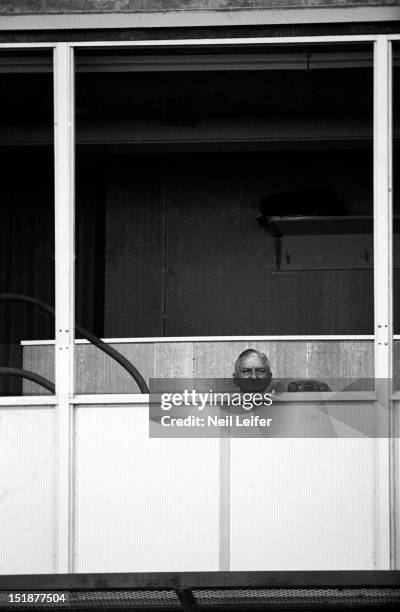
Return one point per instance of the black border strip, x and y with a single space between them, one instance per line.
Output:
199 580
168 33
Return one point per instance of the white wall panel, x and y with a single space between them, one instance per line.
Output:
142 504
27 453
303 504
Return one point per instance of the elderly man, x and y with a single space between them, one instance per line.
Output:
252 371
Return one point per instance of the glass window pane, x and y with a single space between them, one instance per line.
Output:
26 224
220 196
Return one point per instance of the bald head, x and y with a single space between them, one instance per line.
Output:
252 371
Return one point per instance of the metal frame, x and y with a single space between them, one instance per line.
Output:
394 449
383 224
142 399
64 236
64 332
383 278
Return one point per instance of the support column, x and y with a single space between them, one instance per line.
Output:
64 249
383 232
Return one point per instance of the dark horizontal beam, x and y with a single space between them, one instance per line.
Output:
209 580
302 59
110 34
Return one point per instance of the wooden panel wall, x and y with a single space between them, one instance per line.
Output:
95 372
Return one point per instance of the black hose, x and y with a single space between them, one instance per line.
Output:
106 348
36 378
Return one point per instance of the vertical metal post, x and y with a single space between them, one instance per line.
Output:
64 249
383 233
224 500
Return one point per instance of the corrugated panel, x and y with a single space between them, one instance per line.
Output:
142 504
27 459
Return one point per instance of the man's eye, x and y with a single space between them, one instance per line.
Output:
260 370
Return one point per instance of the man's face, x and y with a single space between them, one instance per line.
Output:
252 374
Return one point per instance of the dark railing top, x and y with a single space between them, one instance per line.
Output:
206 580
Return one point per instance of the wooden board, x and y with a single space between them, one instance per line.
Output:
95 372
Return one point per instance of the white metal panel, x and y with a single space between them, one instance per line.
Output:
303 504
27 521
142 504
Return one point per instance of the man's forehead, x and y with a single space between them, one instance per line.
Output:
253 359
